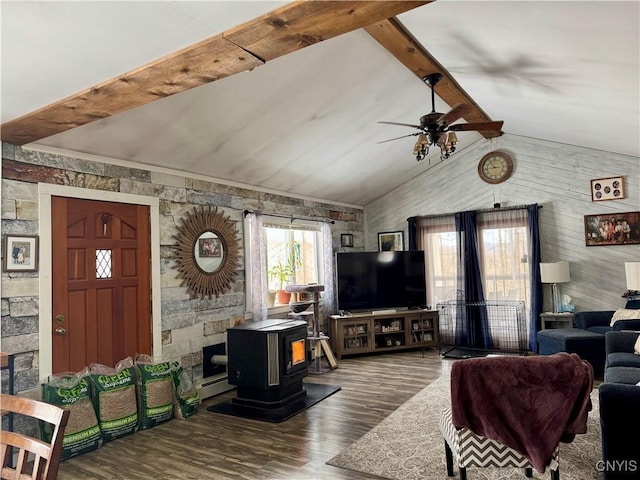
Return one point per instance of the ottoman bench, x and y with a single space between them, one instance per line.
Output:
587 345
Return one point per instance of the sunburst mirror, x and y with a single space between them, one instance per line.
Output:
207 252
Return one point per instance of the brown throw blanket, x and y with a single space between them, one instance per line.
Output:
527 403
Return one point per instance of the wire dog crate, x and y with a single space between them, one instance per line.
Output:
506 320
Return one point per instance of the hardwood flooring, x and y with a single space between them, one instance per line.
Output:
214 446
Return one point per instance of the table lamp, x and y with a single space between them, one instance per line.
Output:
632 270
555 273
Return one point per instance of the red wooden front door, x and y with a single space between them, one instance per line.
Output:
101 282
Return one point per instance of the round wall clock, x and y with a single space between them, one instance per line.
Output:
495 167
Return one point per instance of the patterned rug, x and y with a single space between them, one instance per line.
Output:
408 445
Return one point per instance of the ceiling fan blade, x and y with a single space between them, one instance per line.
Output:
482 126
403 124
398 138
460 110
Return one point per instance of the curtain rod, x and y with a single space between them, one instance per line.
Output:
311 219
483 210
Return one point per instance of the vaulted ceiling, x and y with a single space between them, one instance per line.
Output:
286 96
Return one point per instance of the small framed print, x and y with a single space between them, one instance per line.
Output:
210 247
611 188
20 253
346 240
390 241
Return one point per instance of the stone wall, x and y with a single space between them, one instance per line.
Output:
187 324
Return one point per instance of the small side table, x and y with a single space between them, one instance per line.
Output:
556 320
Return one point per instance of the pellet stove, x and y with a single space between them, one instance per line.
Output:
267 361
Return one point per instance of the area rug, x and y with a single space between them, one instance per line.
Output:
315 393
408 445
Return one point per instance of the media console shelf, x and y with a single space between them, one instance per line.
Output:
379 332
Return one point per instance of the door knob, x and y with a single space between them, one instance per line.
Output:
61 331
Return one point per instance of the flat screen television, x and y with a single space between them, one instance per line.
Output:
381 280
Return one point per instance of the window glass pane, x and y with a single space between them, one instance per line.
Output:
291 255
441 266
504 247
504 263
437 237
103 263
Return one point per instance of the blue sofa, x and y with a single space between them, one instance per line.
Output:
619 403
587 339
599 321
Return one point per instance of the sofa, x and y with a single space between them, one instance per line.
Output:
587 339
619 403
600 321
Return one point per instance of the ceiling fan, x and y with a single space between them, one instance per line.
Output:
435 128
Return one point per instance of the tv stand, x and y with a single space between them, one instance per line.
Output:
360 333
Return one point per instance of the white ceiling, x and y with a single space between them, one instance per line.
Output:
306 123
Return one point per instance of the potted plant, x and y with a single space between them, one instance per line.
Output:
282 274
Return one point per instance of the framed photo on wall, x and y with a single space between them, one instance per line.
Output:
612 229
611 188
346 240
391 241
20 253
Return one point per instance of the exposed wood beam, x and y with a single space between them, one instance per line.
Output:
393 36
282 31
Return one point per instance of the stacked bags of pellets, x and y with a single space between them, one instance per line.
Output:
114 398
155 391
71 391
186 398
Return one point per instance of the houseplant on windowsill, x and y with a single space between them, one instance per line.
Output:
282 274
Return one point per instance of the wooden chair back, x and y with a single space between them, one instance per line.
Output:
36 459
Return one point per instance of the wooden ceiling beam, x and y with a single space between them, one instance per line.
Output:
282 31
393 36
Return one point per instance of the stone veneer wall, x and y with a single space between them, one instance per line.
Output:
187 324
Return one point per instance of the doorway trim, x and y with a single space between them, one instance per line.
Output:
45 192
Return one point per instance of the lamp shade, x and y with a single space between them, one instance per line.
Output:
556 272
632 270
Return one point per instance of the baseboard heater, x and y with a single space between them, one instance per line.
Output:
210 387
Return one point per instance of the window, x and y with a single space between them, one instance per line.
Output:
293 257
503 245
103 263
437 237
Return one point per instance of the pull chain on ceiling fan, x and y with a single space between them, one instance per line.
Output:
436 129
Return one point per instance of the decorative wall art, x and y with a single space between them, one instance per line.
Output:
611 188
346 240
208 252
612 229
20 253
391 241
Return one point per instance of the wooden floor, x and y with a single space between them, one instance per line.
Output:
214 446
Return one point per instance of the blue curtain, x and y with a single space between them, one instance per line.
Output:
472 325
412 229
536 286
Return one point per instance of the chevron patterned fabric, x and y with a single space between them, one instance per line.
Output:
471 450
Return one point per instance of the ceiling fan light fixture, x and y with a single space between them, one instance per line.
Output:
421 148
438 129
448 145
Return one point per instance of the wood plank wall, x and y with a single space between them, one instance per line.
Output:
556 176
